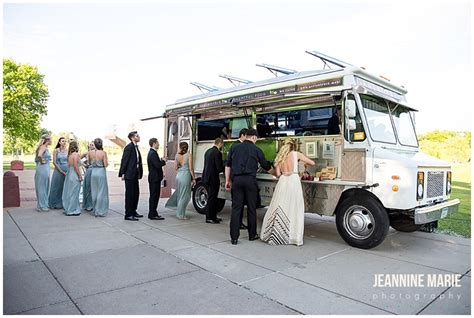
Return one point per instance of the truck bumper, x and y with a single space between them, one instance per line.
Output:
436 212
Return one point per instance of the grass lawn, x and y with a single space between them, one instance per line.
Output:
27 165
459 223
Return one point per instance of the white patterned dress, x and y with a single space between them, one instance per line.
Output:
284 220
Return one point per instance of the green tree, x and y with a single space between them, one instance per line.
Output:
447 145
24 104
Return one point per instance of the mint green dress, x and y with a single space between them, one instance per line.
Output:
57 182
71 190
179 200
99 188
86 190
42 182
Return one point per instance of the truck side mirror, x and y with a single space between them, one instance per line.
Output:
351 124
350 108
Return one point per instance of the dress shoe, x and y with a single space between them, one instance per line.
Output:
130 218
138 215
157 217
243 226
256 237
212 221
234 242
218 219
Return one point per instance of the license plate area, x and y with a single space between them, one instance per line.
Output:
444 212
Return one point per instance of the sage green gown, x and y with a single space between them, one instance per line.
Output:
57 182
71 190
42 182
86 190
99 188
179 200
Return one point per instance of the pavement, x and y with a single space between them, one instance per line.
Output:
55 264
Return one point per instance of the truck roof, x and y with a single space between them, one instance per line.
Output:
307 81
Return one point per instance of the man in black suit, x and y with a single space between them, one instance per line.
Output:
131 170
242 165
155 175
213 165
242 137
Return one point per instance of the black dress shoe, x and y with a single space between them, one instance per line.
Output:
243 226
218 219
234 242
212 221
256 237
157 217
130 218
138 215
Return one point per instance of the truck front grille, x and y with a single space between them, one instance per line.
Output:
435 184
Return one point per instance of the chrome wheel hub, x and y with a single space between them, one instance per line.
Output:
201 197
359 222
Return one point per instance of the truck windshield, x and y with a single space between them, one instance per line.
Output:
378 112
404 125
378 119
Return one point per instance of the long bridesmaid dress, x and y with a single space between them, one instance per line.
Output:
42 182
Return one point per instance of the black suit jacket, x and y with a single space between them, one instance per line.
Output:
213 165
128 165
155 166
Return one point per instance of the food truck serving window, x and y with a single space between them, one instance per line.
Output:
227 128
304 122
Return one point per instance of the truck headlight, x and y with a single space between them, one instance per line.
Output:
448 183
420 186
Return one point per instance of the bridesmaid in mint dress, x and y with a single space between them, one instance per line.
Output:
184 182
42 159
86 187
59 174
98 179
72 184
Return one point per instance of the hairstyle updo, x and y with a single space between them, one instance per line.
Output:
289 145
73 147
98 144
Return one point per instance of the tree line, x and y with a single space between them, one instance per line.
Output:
451 146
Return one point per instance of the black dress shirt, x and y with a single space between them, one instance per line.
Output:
243 159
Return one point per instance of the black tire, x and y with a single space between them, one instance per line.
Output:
200 199
404 223
362 221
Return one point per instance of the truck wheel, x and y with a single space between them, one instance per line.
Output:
403 223
200 199
362 221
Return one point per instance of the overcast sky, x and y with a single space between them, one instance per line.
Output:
109 64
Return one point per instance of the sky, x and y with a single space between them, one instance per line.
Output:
111 64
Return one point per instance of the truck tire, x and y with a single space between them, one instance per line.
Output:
404 223
362 221
200 199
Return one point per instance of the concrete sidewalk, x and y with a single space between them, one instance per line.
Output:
54 264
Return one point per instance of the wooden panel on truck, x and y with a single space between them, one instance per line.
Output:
353 165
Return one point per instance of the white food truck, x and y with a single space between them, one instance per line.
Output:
379 176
